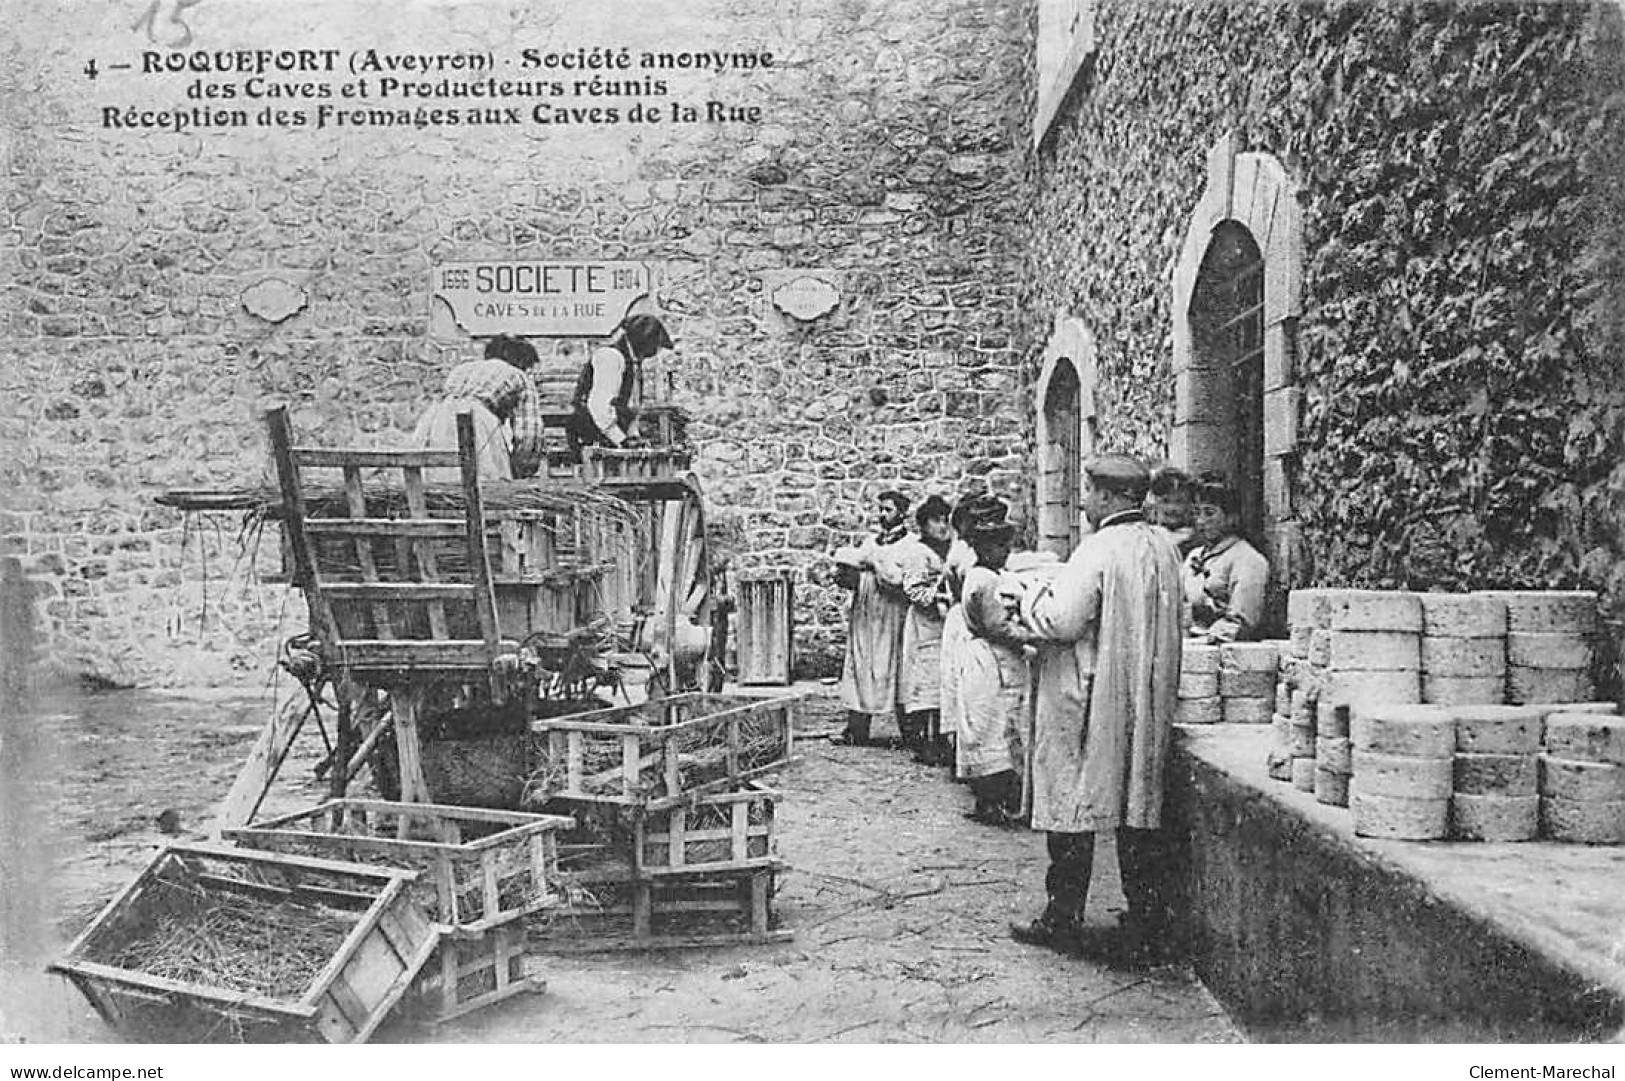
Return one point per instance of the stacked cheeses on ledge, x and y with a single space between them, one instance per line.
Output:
1582 776
1233 683
1463 648
1493 795
1198 686
1402 769
1549 644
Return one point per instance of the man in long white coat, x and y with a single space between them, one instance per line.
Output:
874 638
1113 620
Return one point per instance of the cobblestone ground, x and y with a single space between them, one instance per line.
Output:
898 905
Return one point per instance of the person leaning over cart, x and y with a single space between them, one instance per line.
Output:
501 395
603 409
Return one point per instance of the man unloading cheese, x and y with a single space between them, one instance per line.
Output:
603 410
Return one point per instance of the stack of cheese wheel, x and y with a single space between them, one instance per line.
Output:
1494 790
1372 648
1402 770
1582 778
1463 648
1334 755
1247 677
1294 725
1549 644
1301 607
1198 701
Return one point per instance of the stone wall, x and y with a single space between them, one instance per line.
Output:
1457 347
887 154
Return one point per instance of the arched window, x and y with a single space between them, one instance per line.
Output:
1066 433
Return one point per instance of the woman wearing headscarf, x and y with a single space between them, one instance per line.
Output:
502 397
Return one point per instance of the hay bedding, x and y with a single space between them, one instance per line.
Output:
223 939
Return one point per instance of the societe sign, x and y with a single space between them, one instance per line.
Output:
541 299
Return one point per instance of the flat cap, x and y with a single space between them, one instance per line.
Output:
1118 470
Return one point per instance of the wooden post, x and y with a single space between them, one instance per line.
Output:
404 700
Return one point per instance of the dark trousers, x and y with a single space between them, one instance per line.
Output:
1142 858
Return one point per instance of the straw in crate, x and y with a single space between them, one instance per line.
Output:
657 754
481 867
730 831
221 944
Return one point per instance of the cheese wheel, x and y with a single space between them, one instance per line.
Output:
1548 650
1332 721
1405 776
1549 611
1244 684
1548 685
1279 764
1498 729
1495 775
1331 788
1320 648
1303 774
1606 708
1376 610
1198 711
1494 818
1581 822
1334 755
1351 688
1575 779
1419 731
1297 642
1463 615
1199 659
1302 741
1398 819
1282 728
1463 690
1250 657
1589 737
1475 657
1374 651
1198 685
1301 708
1246 710
1304 606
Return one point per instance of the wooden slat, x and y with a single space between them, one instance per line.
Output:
356 502
325 458
427 565
398 591
427 528
485 604
404 654
254 779
238 999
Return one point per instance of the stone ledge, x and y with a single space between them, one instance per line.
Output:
1306 932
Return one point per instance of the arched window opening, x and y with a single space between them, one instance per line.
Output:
1227 336
1060 473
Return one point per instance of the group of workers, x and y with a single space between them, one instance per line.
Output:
500 393
1054 683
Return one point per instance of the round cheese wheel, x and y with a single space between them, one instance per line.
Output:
1331 720
1549 611
1331 788
1279 764
1550 685
1575 779
1548 650
1250 657
1463 690
1352 688
1247 710
1303 606
1418 731
1398 819
1301 708
1199 659
1334 754
1495 774
1360 651
1297 642
1376 610
1494 818
1582 822
1198 685
1302 741
1303 774
1477 657
1243 684
1498 729
1198 711
1463 615
1320 648
1589 737
1404 776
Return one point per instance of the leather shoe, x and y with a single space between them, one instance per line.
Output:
1041 932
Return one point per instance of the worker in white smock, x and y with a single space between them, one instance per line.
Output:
993 675
874 637
921 563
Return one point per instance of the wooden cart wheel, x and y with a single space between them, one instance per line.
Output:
685 587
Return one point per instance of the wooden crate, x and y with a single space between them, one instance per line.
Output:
766 626
653 463
480 867
375 939
729 831
657 754
614 908
469 972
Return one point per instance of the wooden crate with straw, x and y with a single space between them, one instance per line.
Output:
727 831
657 754
481 868
223 944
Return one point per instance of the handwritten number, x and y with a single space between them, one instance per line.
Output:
149 20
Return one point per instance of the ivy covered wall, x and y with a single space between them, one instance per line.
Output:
1462 180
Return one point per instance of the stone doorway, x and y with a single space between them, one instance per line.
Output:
1066 434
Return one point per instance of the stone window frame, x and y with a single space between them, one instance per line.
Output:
1255 191
1070 346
